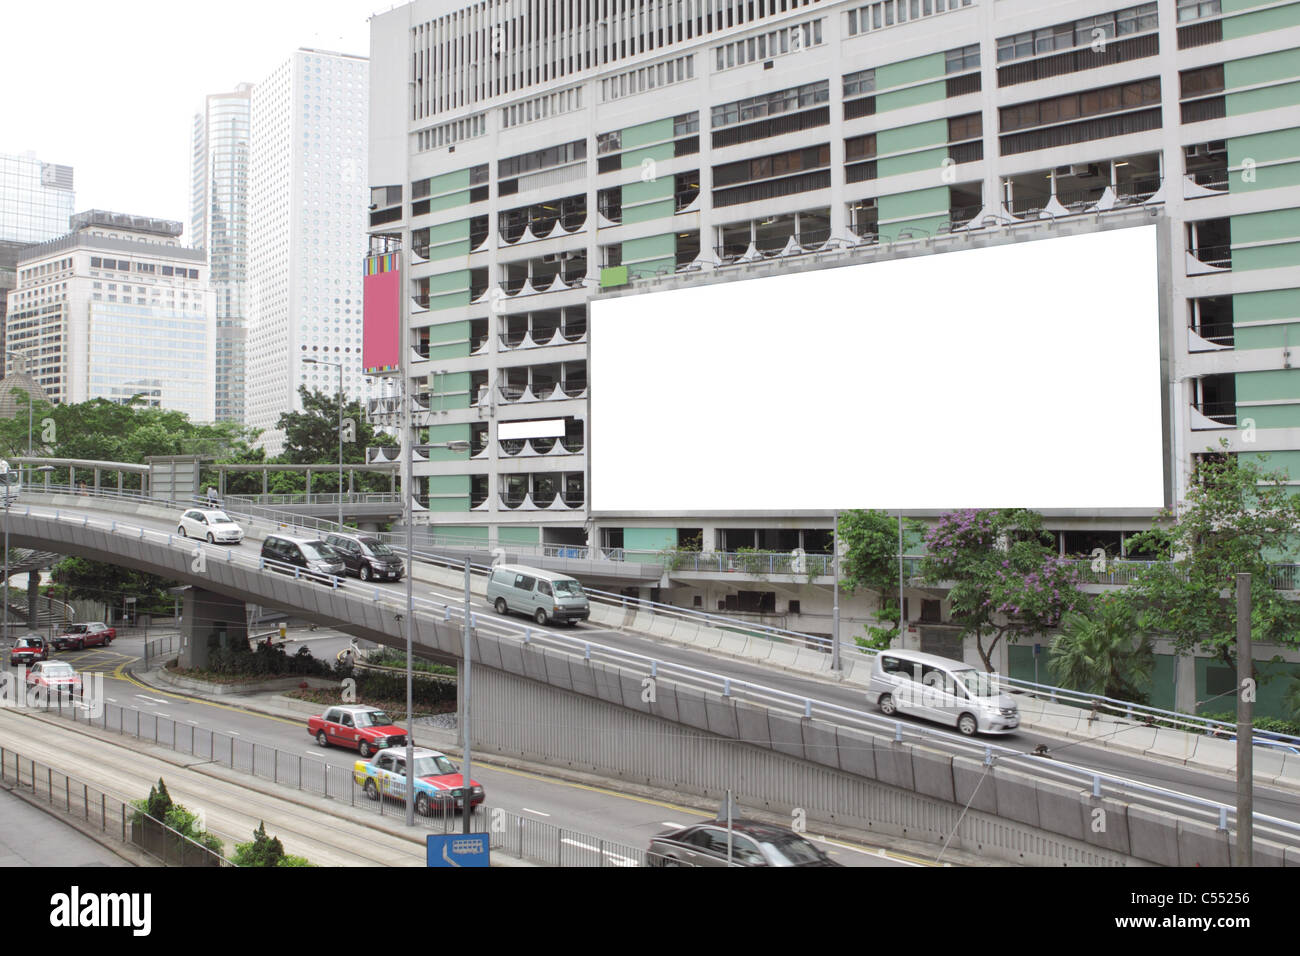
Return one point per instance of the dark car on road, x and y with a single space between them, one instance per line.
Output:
27 650
307 557
752 844
367 557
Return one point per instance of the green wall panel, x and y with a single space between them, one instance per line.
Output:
447 231
1265 68
1263 226
510 535
442 433
647 190
920 68
449 331
1267 336
459 179
1271 304
916 136
613 276
918 202
1288 461
633 158
922 226
653 132
912 96
1285 256
1268 98
649 539
449 201
1270 416
1277 19
1261 386
648 211
1270 694
931 159
449 281
649 247
449 250
476 534
449 351
449 300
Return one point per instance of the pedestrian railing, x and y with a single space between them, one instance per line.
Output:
110 816
511 833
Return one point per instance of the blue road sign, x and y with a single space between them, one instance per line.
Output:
458 849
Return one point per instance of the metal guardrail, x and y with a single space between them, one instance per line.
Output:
510 833
94 807
349 498
783 701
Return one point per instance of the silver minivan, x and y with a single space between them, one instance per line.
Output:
542 595
938 688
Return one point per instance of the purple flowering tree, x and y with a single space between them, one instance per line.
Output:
1007 581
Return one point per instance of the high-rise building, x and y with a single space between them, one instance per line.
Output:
307 200
538 157
36 198
116 309
219 226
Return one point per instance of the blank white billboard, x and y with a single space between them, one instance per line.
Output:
1018 375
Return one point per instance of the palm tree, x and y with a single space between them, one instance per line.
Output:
1099 651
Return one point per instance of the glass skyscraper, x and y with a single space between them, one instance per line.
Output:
36 198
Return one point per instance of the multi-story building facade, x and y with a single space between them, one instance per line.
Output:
116 309
219 226
306 233
36 198
540 151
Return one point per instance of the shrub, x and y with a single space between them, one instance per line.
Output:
265 850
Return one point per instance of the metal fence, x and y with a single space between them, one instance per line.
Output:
95 808
511 833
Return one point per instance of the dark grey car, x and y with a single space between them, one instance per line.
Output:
310 556
367 557
752 844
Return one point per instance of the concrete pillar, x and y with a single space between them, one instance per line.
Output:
309 484
221 483
1185 683
33 596
264 481
210 620
96 480
120 475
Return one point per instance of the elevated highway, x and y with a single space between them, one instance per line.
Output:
673 716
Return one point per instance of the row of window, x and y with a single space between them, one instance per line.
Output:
647 78
1073 106
542 107
1088 31
448 134
542 159
876 16
767 104
765 46
768 167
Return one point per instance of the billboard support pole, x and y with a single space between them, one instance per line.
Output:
900 579
835 604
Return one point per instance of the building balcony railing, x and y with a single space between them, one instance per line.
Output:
1222 414
378 454
531 339
747 562
1219 257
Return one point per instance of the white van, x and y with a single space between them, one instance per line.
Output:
938 688
542 595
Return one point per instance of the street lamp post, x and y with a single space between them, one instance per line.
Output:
339 366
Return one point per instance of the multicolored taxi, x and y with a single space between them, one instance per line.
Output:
439 784
368 729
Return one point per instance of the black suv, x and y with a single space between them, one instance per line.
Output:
314 557
367 557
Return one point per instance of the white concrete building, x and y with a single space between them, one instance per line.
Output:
117 308
219 226
307 232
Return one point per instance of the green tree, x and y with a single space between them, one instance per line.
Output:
262 851
1236 518
79 578
870 562
1007 581
1100 651
311 438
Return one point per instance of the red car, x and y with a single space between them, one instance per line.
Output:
80 636
368 729
54 676
27 650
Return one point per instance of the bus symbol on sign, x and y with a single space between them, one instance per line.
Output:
461 849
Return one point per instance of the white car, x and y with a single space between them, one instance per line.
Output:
211 524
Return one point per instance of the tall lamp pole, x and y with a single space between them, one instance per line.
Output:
339 366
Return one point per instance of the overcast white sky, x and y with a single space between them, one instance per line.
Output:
111 89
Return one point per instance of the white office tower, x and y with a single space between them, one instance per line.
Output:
219 226
116 309
308 193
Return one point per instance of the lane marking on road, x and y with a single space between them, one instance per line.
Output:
538 812
120 674
618 859
152 700
583 786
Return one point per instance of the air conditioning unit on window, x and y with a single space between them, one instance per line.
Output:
551 257
1084 169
